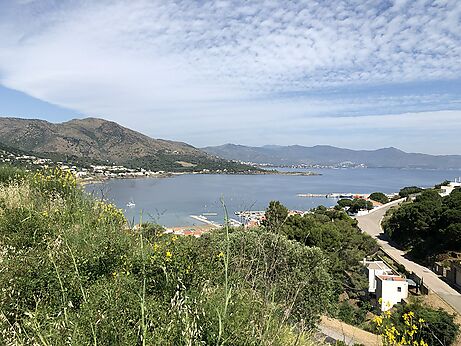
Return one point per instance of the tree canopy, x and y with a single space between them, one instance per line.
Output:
429 226
409 190
356 204
276 214
379 197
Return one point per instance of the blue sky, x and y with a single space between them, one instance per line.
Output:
354 74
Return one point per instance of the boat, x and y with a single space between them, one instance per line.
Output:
209 214
130 204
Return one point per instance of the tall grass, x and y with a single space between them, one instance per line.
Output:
73 272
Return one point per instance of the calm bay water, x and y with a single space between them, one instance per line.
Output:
171 201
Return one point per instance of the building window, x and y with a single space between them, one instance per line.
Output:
399 289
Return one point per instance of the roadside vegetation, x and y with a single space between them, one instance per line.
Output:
428 227
379 197
353 206
409 190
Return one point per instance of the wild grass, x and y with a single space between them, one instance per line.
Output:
74 273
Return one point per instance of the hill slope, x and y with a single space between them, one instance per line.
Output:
98 140
328 155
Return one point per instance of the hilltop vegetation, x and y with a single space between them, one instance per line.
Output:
73 272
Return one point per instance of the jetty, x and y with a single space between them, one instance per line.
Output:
205 220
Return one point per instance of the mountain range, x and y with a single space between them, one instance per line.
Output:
99 141
332 156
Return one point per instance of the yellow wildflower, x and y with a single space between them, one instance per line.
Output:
378 320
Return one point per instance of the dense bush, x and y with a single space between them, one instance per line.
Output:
428 226
9 174
337 234
72 272
345 202
415 323
409 190
355 205
379 197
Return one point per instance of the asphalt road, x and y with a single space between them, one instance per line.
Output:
371 224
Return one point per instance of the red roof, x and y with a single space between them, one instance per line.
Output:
391 277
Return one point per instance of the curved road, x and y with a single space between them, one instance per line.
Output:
371 224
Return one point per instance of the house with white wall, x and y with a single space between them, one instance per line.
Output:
375 268
390 290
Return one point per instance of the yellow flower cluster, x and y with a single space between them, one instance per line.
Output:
393 337
109 213
55 180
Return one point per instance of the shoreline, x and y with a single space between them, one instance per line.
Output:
101 179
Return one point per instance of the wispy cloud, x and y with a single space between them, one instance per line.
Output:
162 65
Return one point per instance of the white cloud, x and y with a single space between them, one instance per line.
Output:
162 65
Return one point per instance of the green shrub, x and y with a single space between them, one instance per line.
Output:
379 197
435 327
10 174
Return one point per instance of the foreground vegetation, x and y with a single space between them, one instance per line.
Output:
74 273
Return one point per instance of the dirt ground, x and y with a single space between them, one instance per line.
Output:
350 334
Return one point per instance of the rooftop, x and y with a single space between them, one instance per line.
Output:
390 278
378 265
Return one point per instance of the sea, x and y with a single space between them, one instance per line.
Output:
171 201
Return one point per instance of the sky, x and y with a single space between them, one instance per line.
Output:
355 74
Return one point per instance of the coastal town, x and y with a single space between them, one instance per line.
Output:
99 172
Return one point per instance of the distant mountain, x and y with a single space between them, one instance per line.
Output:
330 156
94 140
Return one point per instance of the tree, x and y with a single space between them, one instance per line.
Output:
429 226
379 197
409 190
345 202
360 204
444 183
275 216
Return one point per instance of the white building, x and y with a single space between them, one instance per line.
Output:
390 290
375 268
446 190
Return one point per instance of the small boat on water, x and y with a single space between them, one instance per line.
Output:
209 214
130 204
